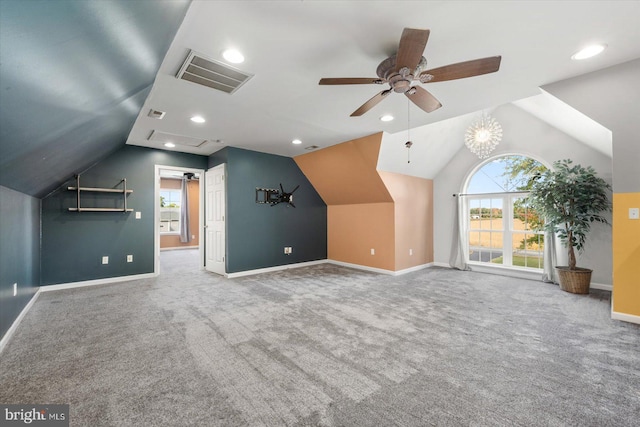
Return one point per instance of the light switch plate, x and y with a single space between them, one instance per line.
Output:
138 215
634 213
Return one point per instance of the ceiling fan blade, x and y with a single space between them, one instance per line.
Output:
350 81
294 190
423 99
371 103
461 70
411 48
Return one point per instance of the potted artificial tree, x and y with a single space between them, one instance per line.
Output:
568 199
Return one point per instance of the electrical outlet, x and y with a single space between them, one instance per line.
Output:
129 258
634 213
138 215
373 251
410 251
15 289
287 250
105 260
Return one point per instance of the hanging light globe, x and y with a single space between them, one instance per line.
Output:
483 136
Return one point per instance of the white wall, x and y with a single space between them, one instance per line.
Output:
527 135
612 98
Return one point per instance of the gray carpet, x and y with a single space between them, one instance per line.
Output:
326 346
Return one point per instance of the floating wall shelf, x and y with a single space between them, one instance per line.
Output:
78 189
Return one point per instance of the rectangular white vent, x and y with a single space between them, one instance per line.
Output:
162 138
211 73
156 114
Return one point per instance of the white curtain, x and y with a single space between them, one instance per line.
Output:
459 247
185 229
549 257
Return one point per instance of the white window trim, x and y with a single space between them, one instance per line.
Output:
507 232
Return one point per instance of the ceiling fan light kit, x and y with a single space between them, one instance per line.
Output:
483 136
407 66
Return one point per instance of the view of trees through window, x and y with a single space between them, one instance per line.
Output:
502 228
170 211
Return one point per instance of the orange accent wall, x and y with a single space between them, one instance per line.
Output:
345 174
173 240
413 218
353 230
626 255
367 209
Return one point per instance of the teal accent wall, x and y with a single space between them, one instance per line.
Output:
95 83
19 253
256 234
73 243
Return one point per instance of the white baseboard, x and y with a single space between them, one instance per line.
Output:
272 269
380 270
631 318
106 281
412 269
177 248
361 267
601 286
505 271
7 337
441 264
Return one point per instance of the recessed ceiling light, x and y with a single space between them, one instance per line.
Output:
386 118
169 144
234 56
296 141
198 119
589 51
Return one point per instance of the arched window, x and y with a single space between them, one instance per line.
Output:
500 227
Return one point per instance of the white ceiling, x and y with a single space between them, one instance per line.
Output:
290 45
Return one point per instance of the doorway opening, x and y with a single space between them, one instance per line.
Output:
178 212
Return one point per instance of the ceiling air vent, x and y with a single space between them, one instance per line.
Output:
163 138
211 73
311 147
156 114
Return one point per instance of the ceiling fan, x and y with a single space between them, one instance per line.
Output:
408 65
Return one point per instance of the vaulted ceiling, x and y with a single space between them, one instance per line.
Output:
74 75
78 78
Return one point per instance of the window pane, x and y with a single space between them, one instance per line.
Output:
170 210
528 250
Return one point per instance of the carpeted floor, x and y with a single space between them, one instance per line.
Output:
326 346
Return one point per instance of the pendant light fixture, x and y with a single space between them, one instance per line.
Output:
483 136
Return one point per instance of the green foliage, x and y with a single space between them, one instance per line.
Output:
569 198
163 203
518 171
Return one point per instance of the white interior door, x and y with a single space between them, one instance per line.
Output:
215 212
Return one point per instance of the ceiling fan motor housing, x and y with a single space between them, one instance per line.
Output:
400 81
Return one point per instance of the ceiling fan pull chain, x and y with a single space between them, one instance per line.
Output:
408 143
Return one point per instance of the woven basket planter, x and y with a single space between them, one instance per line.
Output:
574 281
